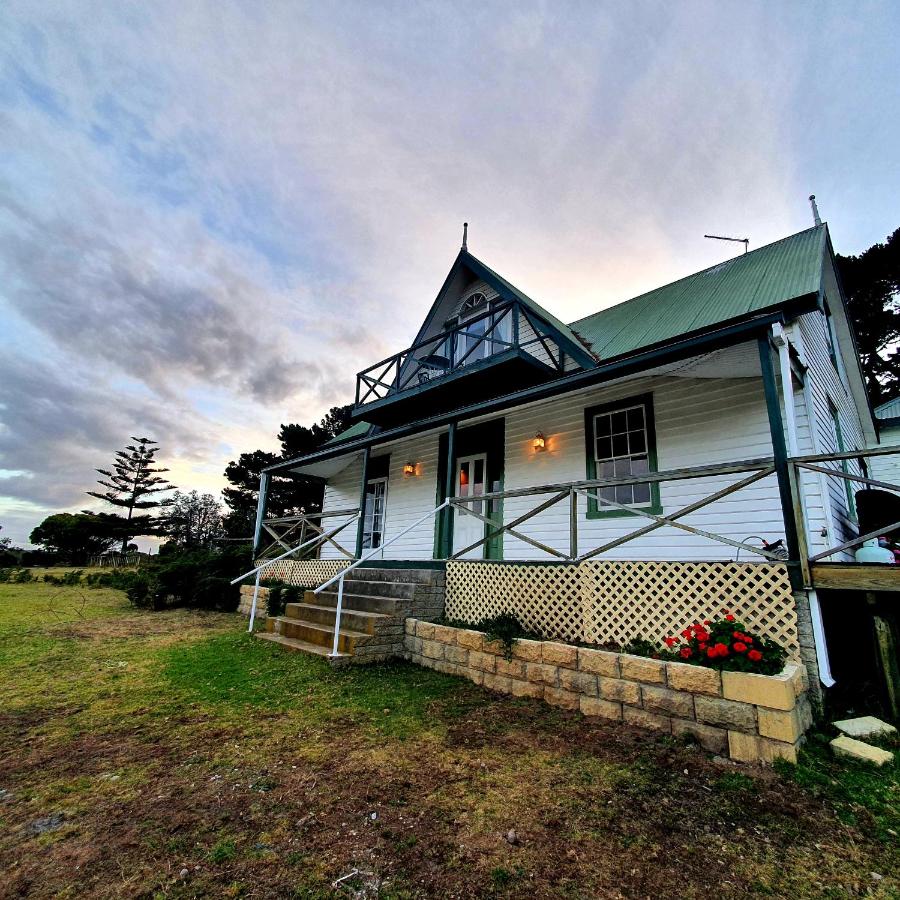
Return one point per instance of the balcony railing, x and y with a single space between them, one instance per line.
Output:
506 328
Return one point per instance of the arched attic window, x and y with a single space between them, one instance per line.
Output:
474 303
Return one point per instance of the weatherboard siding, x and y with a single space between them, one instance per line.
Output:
342 492
698 422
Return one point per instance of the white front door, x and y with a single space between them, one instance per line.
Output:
471 478
373 514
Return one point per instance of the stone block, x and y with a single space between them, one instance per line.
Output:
578 682
425 630
727 713
457 655
780 724
514 668
644 719
772 691
527 651
560 654
598 662
539 673
476 676
770 750
558 697
413 645
619 690
497 648
709 738
471 640
448 668
482 661
410 626
667 702
637 668
606 709
743 747
696 679
445 634
432 649
864 727
853 749
500 683
527 689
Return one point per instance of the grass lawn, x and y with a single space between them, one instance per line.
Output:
172 755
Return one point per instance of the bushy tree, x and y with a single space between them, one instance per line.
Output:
287 495
193 519
134 481
872 284
77 536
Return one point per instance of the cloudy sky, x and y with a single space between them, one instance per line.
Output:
212 214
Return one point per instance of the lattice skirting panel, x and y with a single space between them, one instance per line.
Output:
304 572
599 602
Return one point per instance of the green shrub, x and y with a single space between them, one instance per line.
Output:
275 603
505 628
6 575
23 576
216 592
291 594
67 579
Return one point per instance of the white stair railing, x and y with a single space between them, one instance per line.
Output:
339 578
318 539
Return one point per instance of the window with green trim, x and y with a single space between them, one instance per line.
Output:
842 448
621 442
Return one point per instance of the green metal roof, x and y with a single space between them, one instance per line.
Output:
761 279
889 410
358 429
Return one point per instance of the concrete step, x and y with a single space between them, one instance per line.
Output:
399 576
352 619
374 587
293 644
322 635
387 606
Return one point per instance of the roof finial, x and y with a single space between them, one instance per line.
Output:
465 236
815 209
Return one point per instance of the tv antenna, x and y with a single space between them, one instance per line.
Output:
718 237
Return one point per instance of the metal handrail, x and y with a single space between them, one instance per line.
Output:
339 578
320 537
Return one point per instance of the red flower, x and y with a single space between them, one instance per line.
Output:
670 641
685 652
721 650
729 618
739 647
686 634
738 636
712 653
703 645
707 622
755 655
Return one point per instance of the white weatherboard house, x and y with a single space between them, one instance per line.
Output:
691 449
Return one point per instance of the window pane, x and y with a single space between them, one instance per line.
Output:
639 465
637 442
642 493
608 493
636 419
619 422
602 426
623 494
620 445
604 448
607 469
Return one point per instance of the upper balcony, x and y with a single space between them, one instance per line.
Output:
503 349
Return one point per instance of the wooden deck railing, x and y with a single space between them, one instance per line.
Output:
592 489
289 531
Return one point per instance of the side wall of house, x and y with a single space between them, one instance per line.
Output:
342 492
887 468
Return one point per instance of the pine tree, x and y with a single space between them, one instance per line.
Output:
134 480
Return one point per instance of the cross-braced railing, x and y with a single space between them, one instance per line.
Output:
593 489
290 531
505 327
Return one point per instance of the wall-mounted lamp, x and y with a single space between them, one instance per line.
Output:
409 469
540 442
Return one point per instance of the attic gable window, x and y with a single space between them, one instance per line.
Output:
621 442
472 304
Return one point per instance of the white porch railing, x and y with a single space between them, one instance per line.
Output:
318 539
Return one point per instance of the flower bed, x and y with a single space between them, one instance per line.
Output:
748 716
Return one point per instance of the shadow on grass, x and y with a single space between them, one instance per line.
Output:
397 697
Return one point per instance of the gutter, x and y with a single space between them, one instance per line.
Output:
625 365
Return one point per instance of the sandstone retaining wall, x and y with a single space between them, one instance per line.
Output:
750 718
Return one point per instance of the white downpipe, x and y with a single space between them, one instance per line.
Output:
779 338
339 578
815 612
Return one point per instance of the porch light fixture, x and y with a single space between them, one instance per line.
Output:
540 442
409 469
